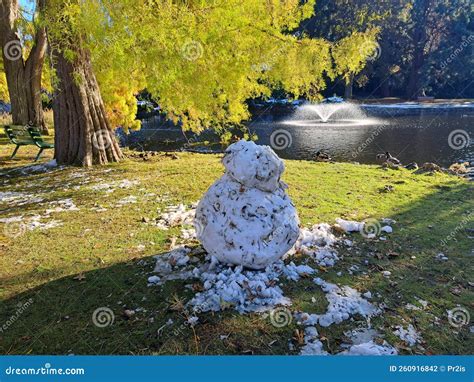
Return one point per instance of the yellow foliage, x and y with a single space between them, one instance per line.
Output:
203 59
199 59
351 53
4 96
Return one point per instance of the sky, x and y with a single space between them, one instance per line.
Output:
28 5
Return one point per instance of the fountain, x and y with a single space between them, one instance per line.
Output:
338 114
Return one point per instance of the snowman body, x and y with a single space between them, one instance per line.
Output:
246 217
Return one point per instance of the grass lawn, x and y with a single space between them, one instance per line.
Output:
101 256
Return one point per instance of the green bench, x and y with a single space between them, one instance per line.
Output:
24 136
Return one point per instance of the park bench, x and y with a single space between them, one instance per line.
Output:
26 135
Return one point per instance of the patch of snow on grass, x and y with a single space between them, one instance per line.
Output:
344 302
176 215
363 342
62 206
312 346
294 272
36 223
423 303
349 225
112 186
370 348
317 243
14 198
44 167
441 257
409 335
32 223
127 200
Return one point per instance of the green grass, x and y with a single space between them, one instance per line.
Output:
102 248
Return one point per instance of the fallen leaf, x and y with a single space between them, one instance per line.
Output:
81 276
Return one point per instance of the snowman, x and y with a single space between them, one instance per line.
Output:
246 217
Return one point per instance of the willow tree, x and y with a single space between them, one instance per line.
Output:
83 134
23 61
201 59
351 54
227 53
349 26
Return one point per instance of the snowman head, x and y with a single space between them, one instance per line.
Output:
253 166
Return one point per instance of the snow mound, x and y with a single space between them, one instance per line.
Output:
174 265
219 285
227 287
244 290
316 243
349 225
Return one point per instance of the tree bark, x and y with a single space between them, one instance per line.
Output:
348 87
385 88
83 135
23 76
420 15
413 90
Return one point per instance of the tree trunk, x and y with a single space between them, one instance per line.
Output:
83 135
23 76
413 90
420 15
385 88
348 87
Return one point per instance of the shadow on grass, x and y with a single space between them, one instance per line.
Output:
438 223
57 318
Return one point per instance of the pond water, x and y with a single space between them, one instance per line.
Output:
412 133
